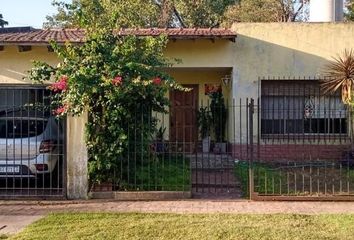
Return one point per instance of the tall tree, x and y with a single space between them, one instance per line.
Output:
266 11
134 13
3 23
143 13
202 13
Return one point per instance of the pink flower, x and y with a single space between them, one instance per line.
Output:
118 80
157 81
61 110
63 79
61 85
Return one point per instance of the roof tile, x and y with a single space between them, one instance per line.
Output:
78 35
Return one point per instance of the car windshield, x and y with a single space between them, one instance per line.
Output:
21 128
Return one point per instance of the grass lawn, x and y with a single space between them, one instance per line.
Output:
166 173
296 179
189 226
265 179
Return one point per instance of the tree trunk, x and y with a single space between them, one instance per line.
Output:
167 7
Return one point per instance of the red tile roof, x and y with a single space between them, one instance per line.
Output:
78 35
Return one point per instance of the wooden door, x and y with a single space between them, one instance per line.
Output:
183 117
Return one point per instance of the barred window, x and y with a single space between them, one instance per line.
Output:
298 107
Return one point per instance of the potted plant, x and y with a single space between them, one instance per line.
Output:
218 117
204 124
160 139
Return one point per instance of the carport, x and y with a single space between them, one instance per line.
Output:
51 165
32 144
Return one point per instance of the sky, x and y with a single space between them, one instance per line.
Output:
26 12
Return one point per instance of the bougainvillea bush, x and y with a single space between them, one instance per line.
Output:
119 82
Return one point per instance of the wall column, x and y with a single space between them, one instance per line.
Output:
76 157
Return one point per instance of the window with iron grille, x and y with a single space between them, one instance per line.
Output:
298 107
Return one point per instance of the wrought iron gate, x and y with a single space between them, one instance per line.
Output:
32 149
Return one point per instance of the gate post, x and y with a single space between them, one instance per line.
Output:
250 137
76 157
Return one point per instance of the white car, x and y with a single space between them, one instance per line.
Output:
30 144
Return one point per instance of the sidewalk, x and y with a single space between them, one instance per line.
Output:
184 206
15 215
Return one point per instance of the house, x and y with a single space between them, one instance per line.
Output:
278 65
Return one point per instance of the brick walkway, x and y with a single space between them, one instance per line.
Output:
186 206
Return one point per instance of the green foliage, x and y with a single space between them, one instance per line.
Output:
119 81
266 179
130 13
204 118
3 23
160 133
266 11
202 13
349 14
176 13
120 13
218 115
165 172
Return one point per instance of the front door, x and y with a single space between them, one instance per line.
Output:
183 118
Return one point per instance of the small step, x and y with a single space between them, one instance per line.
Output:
214 185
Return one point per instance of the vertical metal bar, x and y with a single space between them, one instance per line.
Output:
41 102
135 147
240 135
28 139
176 130
311 177
184 137
251 111
6 139
157 153
258 128
13 140
149 113
142 146
21 136
36 142
325 176
129 184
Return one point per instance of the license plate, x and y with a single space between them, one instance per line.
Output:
10 169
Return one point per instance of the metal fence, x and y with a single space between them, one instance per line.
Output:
32 159
290 143
300 145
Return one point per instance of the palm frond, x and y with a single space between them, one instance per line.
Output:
339 74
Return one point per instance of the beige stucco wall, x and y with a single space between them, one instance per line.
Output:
193 53
285 49
202 53
14 64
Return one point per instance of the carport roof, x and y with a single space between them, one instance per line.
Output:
43 36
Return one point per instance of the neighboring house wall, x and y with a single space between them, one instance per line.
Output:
286 51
